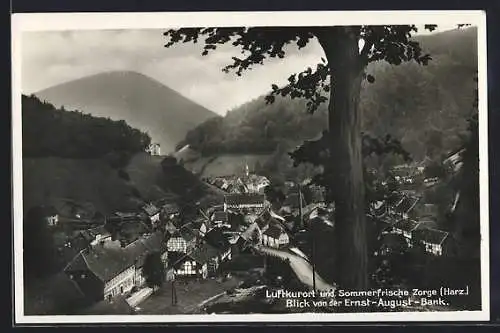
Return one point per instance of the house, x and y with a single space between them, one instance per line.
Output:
200 225
50 215
455 160
141 248
170 210
394 199
170 228
379 209
216 238
406 227
321 220
152 212
154 149
255 183
275 236
183 240
244 201
405 206
120 217
102 273
434 241
200 262
220 218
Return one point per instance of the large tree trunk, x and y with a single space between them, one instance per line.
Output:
345 171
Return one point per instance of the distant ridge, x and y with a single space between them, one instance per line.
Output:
141 101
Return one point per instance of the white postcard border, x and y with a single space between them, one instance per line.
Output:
99 21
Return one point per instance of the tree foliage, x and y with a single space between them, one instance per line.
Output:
340 76
392 44
48 131
154 270
39 250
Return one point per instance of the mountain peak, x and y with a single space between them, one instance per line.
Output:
141 101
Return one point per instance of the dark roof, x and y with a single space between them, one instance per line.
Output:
218 182
430 235
91 234
379 211
138 249
204 253
406 225
216 238
407 204
186 233
171 208
274 231
150 209
104 262
244 199
394 198
155 242
220 216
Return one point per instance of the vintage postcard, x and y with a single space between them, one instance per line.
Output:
250 166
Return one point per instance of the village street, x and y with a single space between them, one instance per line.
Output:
300 266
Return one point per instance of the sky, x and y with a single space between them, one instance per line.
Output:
53 57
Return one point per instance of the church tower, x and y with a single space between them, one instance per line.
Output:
247 170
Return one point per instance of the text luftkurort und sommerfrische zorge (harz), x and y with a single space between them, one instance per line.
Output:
379 298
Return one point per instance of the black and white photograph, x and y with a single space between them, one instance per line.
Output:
259 166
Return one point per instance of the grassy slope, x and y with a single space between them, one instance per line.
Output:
146 175
92 183
224 165
50 179
46 180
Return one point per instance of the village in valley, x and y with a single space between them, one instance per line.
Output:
160 185
162 259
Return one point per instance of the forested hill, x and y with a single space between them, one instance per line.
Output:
52 132
141 101
424 106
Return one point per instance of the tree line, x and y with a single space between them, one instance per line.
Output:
51 131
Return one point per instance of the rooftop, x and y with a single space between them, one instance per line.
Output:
407 204
150 209
204 253
274 231
220 216
106 263
394 198
170 208
244 199
430 235
406 225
